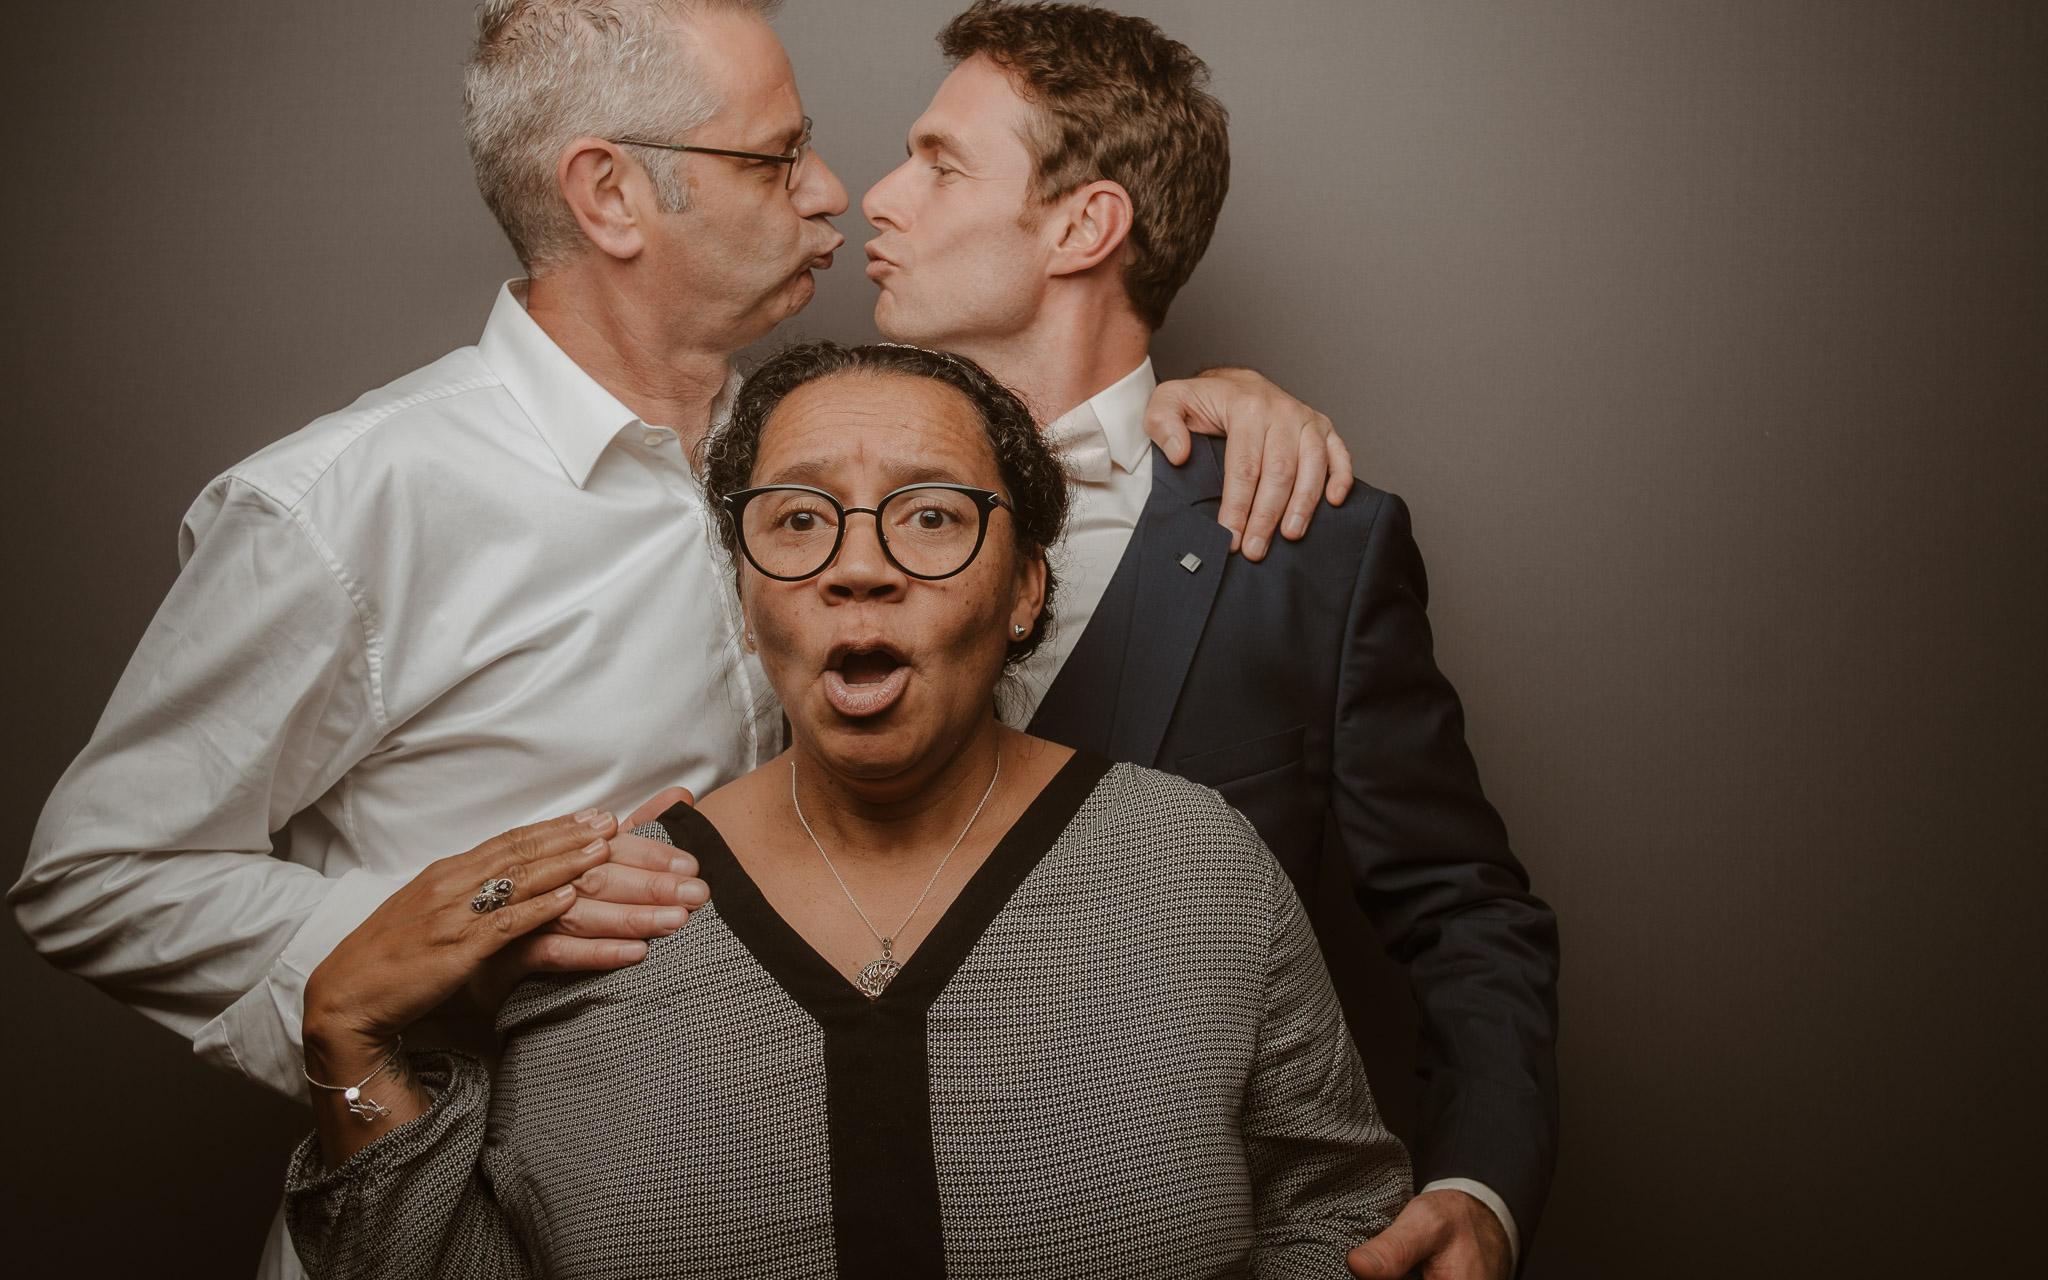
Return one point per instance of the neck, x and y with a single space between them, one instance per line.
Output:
640 349
899 820
1079 343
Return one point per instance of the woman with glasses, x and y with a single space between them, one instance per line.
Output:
965 1003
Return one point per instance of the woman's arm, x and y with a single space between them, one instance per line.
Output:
424 945
422 1201
1326 1173
396 1180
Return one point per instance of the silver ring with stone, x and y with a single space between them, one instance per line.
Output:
495 893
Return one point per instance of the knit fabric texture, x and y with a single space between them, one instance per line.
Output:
1140 1069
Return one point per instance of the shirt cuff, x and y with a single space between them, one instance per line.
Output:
1484 1194
259 1035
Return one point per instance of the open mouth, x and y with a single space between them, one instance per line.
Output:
865 680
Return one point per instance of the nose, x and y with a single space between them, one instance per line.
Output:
819 192
879 205
861 570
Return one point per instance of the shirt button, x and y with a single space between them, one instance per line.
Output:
653 439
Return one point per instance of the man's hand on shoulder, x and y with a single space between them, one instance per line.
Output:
1440 1235
1279 456
644 890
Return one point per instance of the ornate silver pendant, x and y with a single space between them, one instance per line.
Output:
876 978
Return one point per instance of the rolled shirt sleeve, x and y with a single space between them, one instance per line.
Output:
252 693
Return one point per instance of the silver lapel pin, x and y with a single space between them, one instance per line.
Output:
1191 562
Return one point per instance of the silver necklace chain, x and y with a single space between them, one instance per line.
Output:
877 976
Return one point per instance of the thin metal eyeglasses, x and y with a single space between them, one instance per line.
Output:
930 531
794 158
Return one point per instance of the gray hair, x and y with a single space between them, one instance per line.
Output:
545 72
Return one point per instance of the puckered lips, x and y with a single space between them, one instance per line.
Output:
823 260
864 679
879 263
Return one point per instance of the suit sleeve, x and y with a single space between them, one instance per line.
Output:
1430 864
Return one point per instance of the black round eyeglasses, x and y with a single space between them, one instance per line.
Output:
930 531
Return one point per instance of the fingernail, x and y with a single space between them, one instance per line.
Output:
595 846
596 819
1254 547
1296 526
684 893
683 866
670 918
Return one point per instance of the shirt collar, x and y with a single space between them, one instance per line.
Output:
576 417
1120 408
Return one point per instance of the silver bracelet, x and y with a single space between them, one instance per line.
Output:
368 1108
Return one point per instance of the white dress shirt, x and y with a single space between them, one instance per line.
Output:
1102 441
476 598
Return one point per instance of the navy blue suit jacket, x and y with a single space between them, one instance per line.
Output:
1303 689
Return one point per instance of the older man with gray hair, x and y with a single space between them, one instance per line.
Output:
485 593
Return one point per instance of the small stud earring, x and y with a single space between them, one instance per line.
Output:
1018 629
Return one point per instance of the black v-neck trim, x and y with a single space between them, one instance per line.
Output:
885 1185
809 978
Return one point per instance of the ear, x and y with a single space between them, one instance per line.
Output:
1030 597
1092 223
609 194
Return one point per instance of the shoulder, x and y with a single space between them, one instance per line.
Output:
1139 790
425 411
1364 508
1163 826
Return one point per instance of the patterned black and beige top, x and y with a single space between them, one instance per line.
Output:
1117 1054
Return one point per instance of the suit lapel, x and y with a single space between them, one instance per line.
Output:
1173 600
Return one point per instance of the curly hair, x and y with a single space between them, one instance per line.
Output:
1037 487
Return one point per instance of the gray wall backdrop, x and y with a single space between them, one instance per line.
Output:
1706 339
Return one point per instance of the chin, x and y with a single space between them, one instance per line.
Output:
801 291
891 323
773 309
885 318
865 750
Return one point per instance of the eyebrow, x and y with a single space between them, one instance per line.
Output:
938 140
782 143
